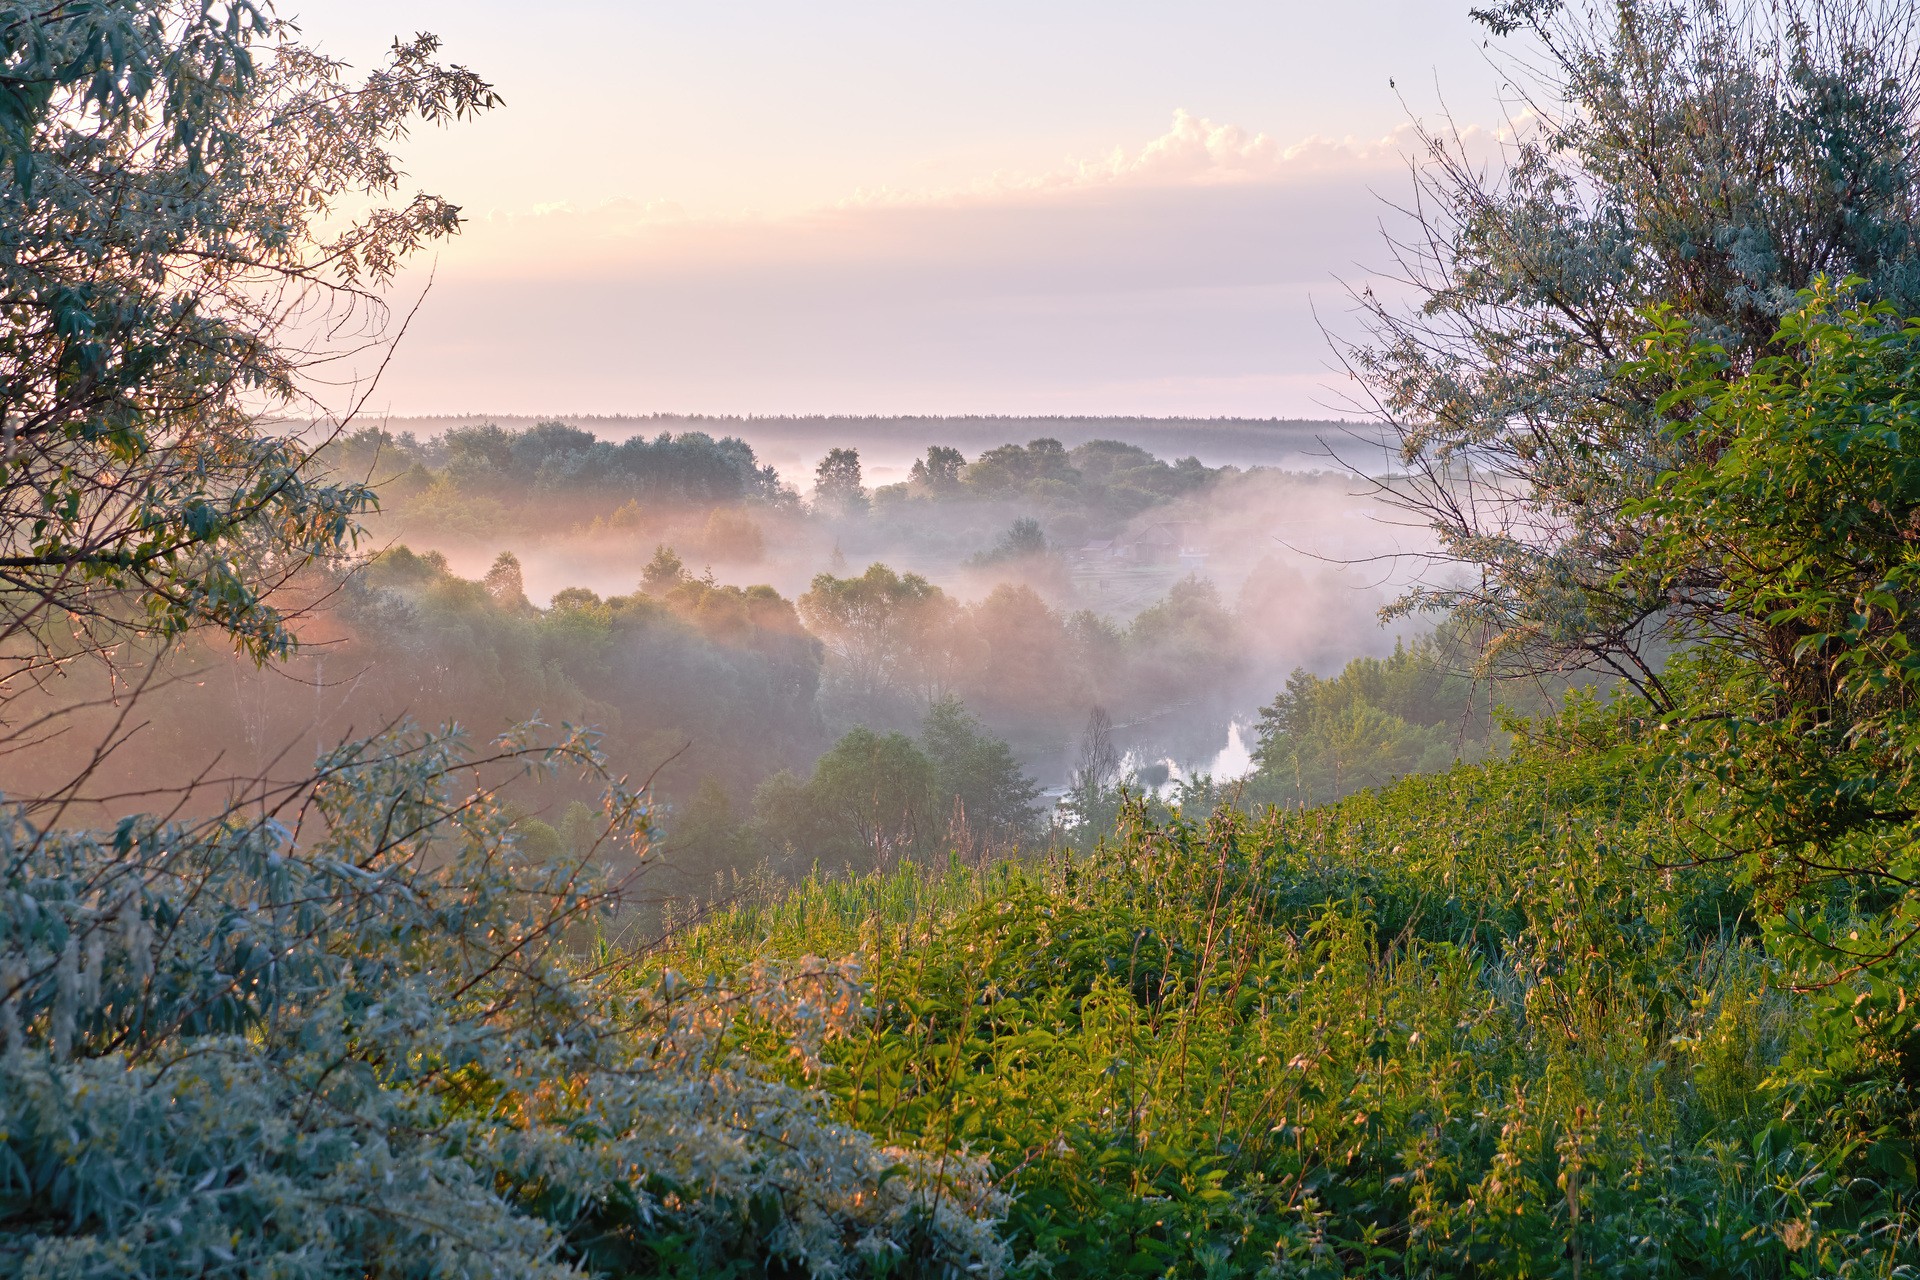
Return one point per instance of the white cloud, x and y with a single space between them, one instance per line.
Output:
1181 275
1193 152
1194 148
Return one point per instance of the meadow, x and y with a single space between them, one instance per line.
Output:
1465 1024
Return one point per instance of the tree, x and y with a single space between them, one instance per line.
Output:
994 794
939 472
880 789
879 796
789 818
320 1031
887 631
1187 637
1711 157
705 838
1324 739
176 998
526 468
505 582
1024 672
1788 548
1099 758
180 186
1023 540
837 485
733 535
664 572
1013 469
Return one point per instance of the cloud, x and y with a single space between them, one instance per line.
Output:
1189 274
1193 150
1193 153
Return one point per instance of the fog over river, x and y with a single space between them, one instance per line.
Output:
1296 547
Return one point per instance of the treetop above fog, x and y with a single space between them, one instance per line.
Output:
533 465
472 477
1103 478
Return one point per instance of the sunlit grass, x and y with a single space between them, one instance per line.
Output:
1411 1033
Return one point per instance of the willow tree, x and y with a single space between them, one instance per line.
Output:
1711 156
192 201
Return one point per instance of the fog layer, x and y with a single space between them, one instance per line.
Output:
726 629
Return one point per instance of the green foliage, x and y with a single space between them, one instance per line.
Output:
875 798
705 832
362 1044
884 630
506 583
1713 158
1099 484
664 571
976 775
878 788
1028 469
721 678
178 185
837 486
939 472
486 480
1189 629
1023 540
1785 543
1408 1034
732 534
365 1050
1485 1022
527 468
1380 719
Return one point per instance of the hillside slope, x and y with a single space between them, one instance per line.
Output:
1464 1025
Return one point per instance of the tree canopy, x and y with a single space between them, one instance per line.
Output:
1709 157
180 185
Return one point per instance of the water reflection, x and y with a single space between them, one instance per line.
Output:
1161 776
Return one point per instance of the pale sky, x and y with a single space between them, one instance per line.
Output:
741 206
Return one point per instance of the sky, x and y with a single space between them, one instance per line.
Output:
845 206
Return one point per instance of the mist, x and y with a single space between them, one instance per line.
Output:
732 601
1287 534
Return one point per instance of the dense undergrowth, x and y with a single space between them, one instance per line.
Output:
1470 1024
358 1044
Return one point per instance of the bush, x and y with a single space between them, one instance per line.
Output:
1407 1034
361 1047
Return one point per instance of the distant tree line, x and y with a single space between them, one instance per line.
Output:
470 477
1106 480
481 479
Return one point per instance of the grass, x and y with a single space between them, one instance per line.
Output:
1465 1025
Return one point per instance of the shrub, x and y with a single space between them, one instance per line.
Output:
359 1046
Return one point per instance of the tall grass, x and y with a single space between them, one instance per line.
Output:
1466 1025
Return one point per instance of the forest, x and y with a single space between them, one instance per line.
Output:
864 714
550 848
